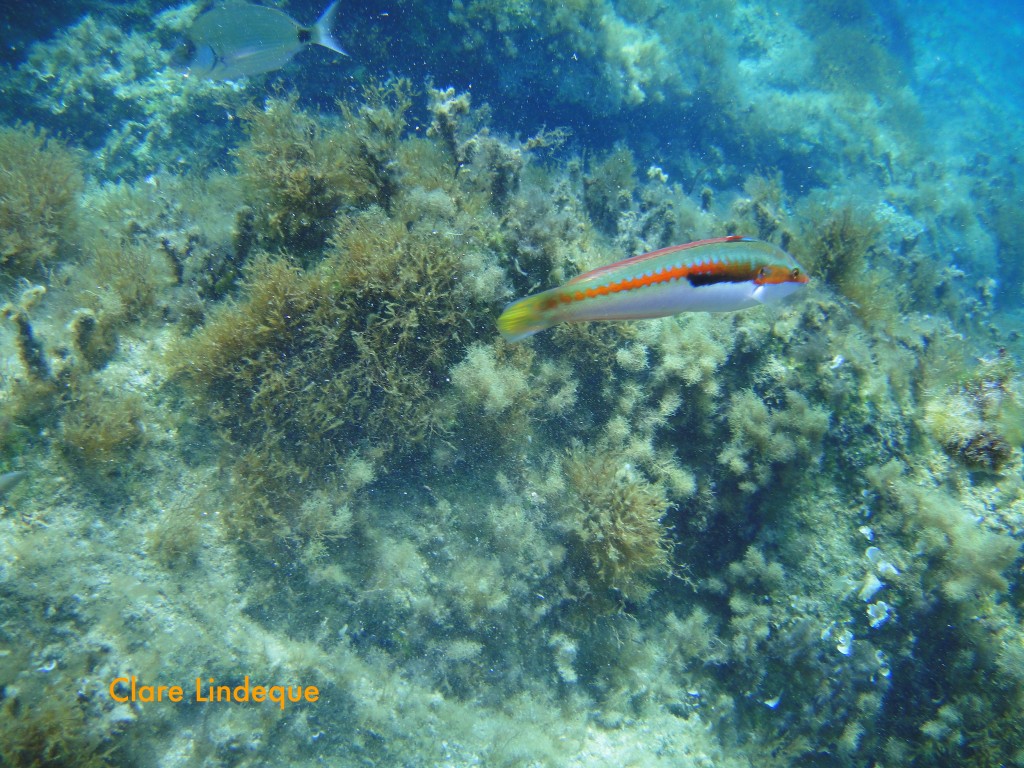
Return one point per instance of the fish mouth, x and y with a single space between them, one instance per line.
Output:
770 293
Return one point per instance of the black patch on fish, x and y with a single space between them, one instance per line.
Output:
706 278
731 273
709 278
305 36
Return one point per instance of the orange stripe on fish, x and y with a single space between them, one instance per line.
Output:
718 275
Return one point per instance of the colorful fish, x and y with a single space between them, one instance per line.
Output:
236 38
718 275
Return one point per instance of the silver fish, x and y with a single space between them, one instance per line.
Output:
10 479
237 38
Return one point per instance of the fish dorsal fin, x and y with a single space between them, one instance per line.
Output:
225 5
653 255
232 6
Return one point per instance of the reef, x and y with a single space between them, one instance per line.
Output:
115 91
261 421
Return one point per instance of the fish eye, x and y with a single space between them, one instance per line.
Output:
763 272
183 53
796 272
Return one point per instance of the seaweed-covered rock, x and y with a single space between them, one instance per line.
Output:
614 517
40 182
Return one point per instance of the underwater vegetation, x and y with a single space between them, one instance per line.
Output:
616 518
297 174
979 421
53 732
40 184
256 417
113 89
321 358
296 364
102 429
762 437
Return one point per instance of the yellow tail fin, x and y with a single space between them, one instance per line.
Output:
525 317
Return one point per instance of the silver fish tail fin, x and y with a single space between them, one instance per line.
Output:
322 30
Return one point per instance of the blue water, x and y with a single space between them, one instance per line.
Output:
249 363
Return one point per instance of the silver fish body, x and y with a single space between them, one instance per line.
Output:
10 479
236 39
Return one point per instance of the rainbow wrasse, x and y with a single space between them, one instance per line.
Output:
718 275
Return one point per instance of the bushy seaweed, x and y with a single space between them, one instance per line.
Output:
52 732
40 181
614 517
298 170
99 430
308 366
